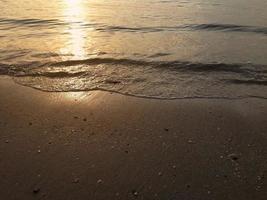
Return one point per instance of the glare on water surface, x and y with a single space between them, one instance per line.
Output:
74 16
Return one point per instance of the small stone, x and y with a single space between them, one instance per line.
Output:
39 151
76 180
36 190
258 187
166 129
84 119
99 181
135 193
233 156
72 131
30 123
7 141
174 166
190 141
160 173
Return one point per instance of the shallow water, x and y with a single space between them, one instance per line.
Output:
152 48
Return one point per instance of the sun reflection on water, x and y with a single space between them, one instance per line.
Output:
74 15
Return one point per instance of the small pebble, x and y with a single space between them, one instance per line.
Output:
160 173
39 151
36 190
99 181
7 141
135 193
30 123
258 187
233 156
166 129
190 141
76 180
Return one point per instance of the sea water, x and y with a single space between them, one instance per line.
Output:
148 48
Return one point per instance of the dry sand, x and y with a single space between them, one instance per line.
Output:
98 145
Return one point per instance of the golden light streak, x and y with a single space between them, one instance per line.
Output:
74 15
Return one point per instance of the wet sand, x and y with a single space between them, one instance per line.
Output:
99 145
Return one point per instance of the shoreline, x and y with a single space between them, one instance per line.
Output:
102 145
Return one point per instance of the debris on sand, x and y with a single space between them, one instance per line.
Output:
36 190
190 141
76 180
110 81
233 156
134 193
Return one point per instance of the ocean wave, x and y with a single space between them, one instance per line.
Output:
238 73
176 65
144 78
50 23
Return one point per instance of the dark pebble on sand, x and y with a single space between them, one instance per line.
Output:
84 119
30 123
36 190
233 156
166 129
112 81
76 180
134 193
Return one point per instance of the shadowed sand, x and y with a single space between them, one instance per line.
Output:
98 145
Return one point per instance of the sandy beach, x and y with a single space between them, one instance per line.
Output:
99 145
